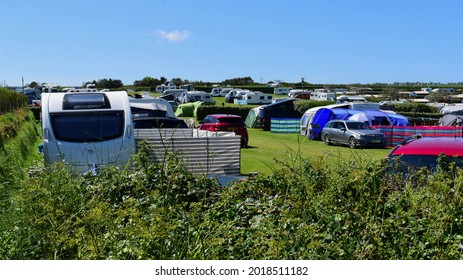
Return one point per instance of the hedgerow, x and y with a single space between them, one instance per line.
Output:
308 209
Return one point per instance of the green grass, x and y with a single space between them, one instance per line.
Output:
266 149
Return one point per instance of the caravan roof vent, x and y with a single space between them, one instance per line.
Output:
85 101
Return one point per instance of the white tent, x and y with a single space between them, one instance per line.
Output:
361 116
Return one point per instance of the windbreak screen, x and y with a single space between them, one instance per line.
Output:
88 127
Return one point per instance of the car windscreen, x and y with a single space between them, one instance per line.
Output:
231 120
88 126
429 162
357 126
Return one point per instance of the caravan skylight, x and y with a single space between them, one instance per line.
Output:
80 101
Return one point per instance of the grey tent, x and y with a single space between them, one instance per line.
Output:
450 120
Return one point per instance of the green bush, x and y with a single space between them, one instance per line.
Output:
414 108
11 101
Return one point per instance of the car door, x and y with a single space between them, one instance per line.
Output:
341 133
337 132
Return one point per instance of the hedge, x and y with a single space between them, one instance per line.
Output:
11 100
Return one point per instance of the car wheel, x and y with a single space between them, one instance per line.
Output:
244 143
352 143
326 140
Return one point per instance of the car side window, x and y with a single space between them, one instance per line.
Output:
342 125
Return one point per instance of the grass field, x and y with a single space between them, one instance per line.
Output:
267 150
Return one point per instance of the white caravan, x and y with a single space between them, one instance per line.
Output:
151 107
193 96
281 90
87 130
252 97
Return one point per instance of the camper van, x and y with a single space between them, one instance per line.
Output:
87 130
253 97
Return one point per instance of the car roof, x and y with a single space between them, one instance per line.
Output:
347 121
431 146
218 116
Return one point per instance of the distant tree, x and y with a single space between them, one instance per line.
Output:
391 93
149 82
33 85
439 97
244 81
109 83
178 81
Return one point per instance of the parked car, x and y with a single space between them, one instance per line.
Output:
417 152
158 122
226 122
352 133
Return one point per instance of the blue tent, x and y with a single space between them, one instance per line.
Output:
381 118
324 115
398 120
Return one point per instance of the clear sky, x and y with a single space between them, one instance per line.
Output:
325 41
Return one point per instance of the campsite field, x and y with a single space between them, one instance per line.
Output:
267 150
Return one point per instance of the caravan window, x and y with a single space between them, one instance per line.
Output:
88 127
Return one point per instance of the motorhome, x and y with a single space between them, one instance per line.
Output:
253 97
87 130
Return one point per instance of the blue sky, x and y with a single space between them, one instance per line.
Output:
324 41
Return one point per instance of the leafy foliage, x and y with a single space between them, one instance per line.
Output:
305 210
11 101
353 208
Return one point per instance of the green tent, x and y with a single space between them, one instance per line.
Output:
185 110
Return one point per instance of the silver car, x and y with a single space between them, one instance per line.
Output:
352 133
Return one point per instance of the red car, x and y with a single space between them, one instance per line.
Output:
420 152
225 122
